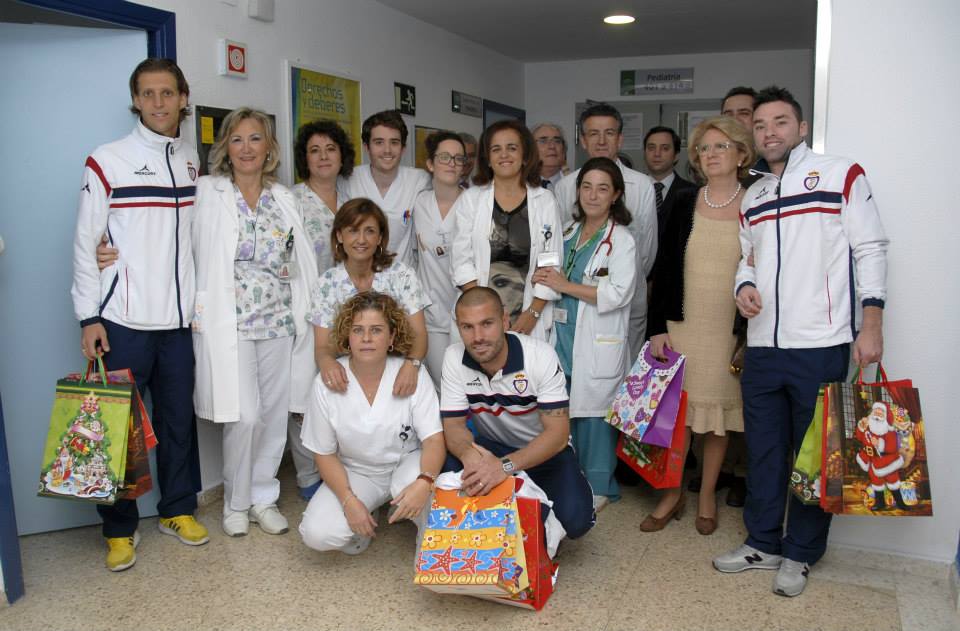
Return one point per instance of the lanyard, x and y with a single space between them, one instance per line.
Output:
574 250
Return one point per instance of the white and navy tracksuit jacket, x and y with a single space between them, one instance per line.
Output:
139 191
818 247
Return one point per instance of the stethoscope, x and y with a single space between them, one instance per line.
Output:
592 269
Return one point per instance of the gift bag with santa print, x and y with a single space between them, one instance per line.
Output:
874 450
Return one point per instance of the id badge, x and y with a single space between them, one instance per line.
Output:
548 259
559 315
287 271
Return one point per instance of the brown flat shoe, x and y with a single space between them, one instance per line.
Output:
706 525
653 524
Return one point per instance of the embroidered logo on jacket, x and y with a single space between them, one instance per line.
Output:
192 171
520 383
811 181
144 171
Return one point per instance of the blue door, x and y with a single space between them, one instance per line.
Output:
65 92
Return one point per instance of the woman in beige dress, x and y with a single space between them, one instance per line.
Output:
692 310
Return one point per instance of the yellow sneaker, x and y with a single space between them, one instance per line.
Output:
185 528
122 552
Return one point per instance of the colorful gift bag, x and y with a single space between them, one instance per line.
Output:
471 545
85 453
805 477
662 467
543 571
645 406
874 451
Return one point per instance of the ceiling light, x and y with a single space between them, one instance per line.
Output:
619 19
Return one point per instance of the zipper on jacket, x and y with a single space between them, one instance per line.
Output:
176 260
776 285
829 302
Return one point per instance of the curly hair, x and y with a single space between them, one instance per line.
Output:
372 301
334 132
733 130
220 158
353 213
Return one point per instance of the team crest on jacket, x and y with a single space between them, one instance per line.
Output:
520 383
192 171
812 179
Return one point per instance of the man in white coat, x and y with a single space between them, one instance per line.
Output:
601 135
391 186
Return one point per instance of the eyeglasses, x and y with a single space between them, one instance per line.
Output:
550 140
719 147
446 158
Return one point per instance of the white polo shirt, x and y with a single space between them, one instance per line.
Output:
505 407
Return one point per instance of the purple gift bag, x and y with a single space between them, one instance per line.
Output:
646 404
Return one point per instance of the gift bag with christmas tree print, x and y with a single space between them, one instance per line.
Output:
85 452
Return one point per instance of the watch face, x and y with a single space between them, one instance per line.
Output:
507 465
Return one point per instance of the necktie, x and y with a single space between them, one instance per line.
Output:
658 188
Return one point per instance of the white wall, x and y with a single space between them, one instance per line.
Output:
361 38
553 88
891 104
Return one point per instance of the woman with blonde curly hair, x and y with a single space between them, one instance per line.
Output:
253 345
692 310
370 445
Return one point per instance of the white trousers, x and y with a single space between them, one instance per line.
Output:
324 526
303 462
437 344
253 446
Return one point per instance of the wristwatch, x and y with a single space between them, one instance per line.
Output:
534 313
415 362
507 465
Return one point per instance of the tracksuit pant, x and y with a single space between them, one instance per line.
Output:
779 394
162 362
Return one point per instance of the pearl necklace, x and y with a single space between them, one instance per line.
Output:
706 189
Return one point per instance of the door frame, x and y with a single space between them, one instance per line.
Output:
161 29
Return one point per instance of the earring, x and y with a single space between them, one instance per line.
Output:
390 350
379 250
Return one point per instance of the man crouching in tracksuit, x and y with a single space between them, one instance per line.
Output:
139 191
812 228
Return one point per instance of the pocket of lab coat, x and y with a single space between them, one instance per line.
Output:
608 353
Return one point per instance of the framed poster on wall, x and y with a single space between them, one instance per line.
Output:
420 148
318 94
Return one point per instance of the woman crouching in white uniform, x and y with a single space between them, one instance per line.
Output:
370 444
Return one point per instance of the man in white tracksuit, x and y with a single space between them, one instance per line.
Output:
139 191
813 255
601 136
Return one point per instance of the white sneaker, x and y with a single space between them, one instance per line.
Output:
791 578
358 544
270 520
600 502
746 558
235 523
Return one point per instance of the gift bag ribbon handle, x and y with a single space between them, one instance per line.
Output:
880 378
100 366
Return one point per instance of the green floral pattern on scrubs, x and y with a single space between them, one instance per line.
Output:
264 308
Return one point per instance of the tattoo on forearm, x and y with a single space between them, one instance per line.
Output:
554 412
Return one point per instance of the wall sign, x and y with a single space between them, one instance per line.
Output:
466 104
318 95
232 58
405 98
656 81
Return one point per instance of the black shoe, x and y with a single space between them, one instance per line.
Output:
898 498
737 495
625 475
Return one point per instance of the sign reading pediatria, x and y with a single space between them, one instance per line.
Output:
319 95
656 81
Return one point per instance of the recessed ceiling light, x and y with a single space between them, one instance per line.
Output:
619 19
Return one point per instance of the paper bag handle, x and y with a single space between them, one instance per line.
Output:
103 371
880 377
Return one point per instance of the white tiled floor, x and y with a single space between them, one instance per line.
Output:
614 578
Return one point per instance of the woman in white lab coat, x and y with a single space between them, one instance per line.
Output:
370 444
592 317
507 226
253 346
433 221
